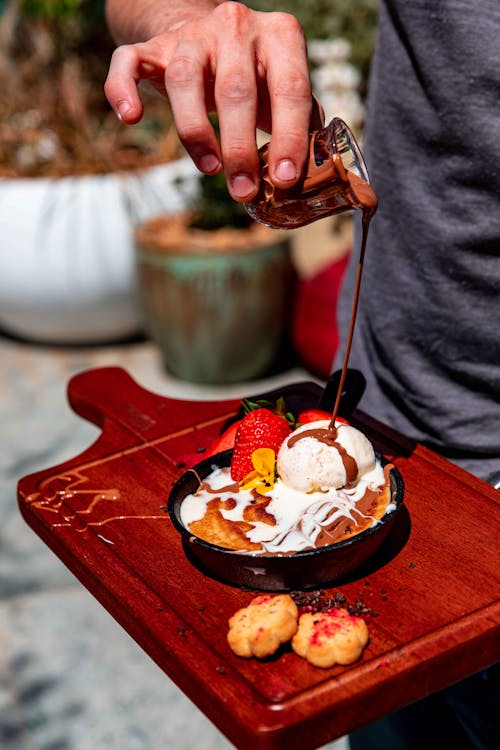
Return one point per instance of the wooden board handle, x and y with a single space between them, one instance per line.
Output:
109 398
110 393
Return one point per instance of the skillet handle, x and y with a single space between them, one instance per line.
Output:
354 387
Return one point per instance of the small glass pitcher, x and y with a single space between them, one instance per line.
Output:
335 180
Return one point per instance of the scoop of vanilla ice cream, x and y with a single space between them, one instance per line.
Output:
310 465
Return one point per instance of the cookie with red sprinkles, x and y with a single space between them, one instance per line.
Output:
331 637
263 626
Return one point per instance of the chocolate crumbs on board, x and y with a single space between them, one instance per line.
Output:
307 601
317 601
359 609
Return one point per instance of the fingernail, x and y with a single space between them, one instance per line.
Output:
242 185
209 163
122 109
286 170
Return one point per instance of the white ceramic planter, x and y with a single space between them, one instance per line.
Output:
66 255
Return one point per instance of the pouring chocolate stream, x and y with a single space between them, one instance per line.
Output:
335 180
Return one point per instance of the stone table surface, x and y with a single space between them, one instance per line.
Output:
70 677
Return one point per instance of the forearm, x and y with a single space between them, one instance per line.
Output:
138 20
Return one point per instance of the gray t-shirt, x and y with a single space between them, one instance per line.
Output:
428 331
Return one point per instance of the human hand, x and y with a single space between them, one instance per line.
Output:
249 67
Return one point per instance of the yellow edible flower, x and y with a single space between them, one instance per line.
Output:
262 478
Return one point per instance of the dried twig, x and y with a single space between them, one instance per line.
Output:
54 118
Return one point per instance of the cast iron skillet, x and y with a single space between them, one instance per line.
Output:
301 570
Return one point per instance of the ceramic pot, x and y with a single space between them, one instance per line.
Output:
67 261
217 303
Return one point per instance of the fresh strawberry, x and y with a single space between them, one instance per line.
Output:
278 407
225 441
314 415
260 428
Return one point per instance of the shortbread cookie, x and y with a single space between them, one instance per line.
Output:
260 628
328 638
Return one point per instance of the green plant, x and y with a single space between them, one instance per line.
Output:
213 207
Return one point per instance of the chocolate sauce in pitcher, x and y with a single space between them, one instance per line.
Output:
335 180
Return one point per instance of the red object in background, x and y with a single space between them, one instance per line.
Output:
314 327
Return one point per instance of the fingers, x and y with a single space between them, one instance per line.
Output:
216 65
131 64
291 100
263 52
236 102
121 84
186 82
249 66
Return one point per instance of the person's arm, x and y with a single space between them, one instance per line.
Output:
133 21
204 55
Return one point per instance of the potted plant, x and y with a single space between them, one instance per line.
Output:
73 180
215 288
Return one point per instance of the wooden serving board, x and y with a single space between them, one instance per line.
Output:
434 586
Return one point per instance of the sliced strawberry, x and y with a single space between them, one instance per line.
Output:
260 428
225 441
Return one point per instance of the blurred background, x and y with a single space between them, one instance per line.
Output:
95 239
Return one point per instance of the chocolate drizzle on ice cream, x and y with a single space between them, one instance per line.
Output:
329 436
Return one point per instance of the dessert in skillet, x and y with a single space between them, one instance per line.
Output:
290 490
